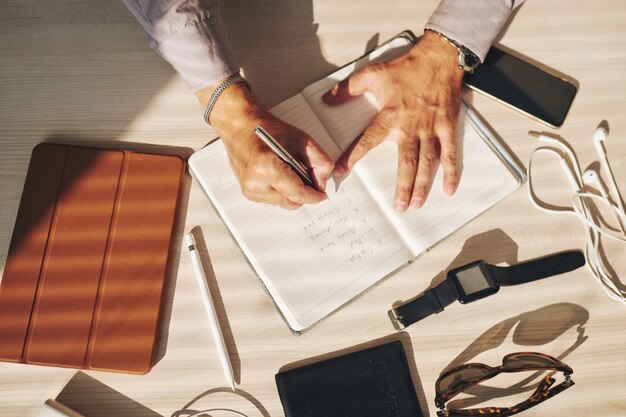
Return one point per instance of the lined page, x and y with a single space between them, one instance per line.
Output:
314 259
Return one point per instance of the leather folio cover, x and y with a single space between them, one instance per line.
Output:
374 382
86 267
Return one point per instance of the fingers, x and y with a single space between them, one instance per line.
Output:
435 142
374 134
275 182
416 162
417 156
284 180
275 198
446 131
408 154
321 164
424 171
355 85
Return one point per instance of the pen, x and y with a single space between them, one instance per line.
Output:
210 310
284 155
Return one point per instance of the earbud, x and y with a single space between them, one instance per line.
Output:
592 178
599 136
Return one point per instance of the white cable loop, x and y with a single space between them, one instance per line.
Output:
204 413
581 210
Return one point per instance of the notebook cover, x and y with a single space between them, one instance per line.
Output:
87 263
374 382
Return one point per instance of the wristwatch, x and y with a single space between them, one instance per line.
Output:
478 280
467 60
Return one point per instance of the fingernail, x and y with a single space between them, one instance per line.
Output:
400 206
339 172
449 190
330 94
417 203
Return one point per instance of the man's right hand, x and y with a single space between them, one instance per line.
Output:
263 176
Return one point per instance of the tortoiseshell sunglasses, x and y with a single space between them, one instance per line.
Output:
457 380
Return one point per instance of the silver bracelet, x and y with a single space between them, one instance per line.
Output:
219 90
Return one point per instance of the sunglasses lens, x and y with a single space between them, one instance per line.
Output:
461 378
525 360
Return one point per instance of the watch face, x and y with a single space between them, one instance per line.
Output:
474 282
471 60
468 60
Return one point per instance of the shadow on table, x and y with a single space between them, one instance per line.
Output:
97 80
218 303
531 329
493 246
92 398
192 408
276 42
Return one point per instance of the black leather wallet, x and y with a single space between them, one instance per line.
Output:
373 382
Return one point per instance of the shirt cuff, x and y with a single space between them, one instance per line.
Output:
200 52
474 24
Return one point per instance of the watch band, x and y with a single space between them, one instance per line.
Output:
436 299
537 269
467 60
432 301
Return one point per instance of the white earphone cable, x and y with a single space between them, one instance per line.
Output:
581 210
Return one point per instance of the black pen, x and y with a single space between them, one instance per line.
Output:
285 156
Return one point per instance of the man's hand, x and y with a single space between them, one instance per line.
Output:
263 177
418 96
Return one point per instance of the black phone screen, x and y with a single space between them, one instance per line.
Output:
523 86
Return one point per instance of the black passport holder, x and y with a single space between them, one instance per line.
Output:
373 382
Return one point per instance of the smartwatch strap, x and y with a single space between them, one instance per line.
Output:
430 302
539 268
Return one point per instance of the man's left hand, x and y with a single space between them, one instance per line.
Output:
418 96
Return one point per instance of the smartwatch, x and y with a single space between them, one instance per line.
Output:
467 60
478 280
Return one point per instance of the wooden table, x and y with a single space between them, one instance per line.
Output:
81 72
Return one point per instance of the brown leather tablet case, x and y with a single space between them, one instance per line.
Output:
87 263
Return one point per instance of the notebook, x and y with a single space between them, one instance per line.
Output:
85 273
373 382
314 260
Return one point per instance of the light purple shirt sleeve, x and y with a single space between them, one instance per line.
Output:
190 35
475 24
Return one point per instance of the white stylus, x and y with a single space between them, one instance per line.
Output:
210 310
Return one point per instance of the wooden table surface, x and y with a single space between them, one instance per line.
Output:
82 73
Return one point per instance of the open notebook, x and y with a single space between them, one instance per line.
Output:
317 258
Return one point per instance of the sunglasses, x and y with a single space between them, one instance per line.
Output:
457 380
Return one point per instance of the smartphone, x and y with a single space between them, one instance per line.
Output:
531 88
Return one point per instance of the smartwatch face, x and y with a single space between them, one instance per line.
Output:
474 282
